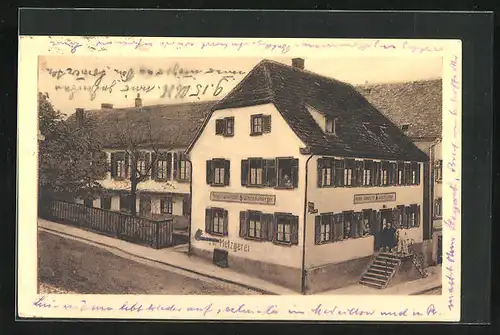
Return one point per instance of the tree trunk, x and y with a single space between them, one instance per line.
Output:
133 191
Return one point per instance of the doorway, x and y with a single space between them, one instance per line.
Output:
145 205
384 219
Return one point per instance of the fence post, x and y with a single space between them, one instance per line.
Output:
157 235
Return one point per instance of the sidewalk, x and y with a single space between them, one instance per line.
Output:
178 260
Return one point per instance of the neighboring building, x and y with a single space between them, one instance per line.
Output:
161 134
295 174
416 107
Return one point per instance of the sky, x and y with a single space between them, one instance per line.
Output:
207 78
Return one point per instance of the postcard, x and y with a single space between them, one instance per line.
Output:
239 179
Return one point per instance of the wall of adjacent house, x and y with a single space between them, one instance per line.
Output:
339 199
280 142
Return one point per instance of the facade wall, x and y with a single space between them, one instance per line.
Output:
339 199
280 142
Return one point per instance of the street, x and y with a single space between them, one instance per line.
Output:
66 265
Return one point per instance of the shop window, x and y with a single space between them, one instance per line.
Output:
216 221
166 205
438 208
217 172
224 126
287 172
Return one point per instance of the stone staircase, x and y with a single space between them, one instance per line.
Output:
381 270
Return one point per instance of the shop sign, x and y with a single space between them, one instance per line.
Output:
375 197
262 199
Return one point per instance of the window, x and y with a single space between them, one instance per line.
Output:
405 127
439 171
367 221
105 202
141 167
414 175
348 225
287 172
263 172
125 203
260 124
89 202
163 165
218 172
348 172
286 230
367 173
325 172
438 207
323 228
254 224
401 173
331 126
224 126
166 205
256 169
338 227
384 174
412 216
119 166
216 221
338 176
183 168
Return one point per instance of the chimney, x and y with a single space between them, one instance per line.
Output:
79 117
106 106
298 63
138 101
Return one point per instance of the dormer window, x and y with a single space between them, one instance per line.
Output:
331 126
405 127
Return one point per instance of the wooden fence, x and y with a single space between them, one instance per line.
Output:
157 233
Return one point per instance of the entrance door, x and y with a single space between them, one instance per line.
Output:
383 218
145 205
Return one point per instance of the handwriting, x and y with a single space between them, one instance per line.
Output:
320 310
98 44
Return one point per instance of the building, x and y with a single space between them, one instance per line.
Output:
416 108
157 135
294 175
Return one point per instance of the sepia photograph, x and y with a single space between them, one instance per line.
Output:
240 175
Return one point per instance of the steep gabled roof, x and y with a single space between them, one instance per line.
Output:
417 104
168 126
291 90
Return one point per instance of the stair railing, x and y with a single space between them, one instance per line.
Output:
417 259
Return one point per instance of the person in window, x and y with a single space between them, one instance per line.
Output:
287 182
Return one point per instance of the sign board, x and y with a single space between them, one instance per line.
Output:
375 197
263 199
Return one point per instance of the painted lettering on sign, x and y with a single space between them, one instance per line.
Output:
263 199
231 245
376 197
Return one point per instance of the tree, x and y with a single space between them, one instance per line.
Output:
70 157
143 144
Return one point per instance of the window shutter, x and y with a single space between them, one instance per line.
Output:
113 164
269 172
317 229
358 221
417 215
243 224
295 172
294 236
148 163
209 174
377 217
227 169
417 169
174 176
154 166
321 164
266 123
169 165
225 223
244 172
358 178
208 220
376 174
219 126
270 227
264 225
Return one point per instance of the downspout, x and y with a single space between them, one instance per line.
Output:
303 284
190 203
431 187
